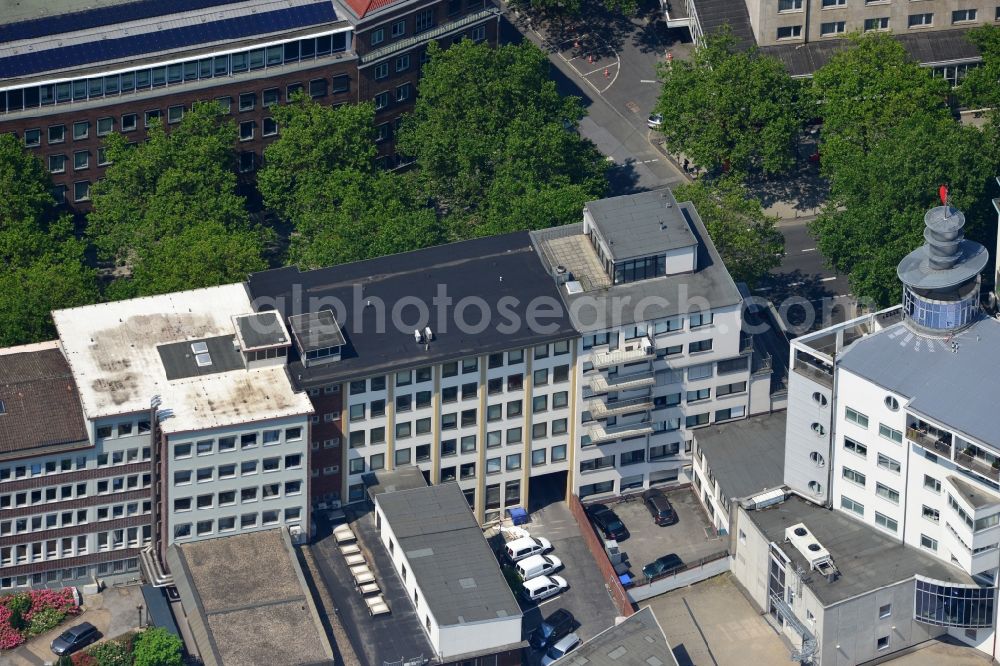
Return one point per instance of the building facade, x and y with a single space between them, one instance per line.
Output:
70 77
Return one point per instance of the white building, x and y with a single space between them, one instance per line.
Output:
462 600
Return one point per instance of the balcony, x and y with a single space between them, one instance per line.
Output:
601 434
601 409
812 372
939 445
978 465
632 352
601 384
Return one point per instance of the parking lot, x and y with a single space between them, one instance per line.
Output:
587 598
712 624
691 537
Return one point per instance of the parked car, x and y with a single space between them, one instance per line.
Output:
655 121
518 549
551 629
560 649
662 566
659 507
608 522
544 587
75 638
537 565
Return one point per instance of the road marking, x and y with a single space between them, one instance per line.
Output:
828 279
549 600
649 161
648 81
809 249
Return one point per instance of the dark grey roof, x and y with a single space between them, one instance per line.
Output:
639 225
180 358
406 477
714 14
927 47
637 641
657 298
40 405
316 330
491 269
866 558
747 457
261 329
957 388
448 554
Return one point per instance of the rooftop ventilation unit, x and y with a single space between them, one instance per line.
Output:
816 555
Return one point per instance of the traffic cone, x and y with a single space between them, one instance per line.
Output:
606 75
590 59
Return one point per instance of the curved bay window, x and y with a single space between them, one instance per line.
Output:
939 311
950 605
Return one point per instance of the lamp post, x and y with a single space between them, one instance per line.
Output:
139 608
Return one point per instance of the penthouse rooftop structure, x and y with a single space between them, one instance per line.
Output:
349 310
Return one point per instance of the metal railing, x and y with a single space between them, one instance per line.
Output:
933 444
635 351
977 465
428 35
600 409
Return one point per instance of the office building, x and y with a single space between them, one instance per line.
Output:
72 72
804 34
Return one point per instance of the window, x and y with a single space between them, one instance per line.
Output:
270 97
633 457
225 103
205 447
830 4
789 5
291 90
514 408
403 92
514 435
885 521
57 163
882 643
424 20
317 88
856 417
852 506
381 71
884 611
246 130
248 161
57 133
468 470
248 101
790 32
399 28
932 484
930 514
886 492
32 138
539 430
376 462
81 160
885 462
963 15
403 430
917 21
855 447
700 394
81 130
381 101
248 467
152 117
378 36
881 23
890 433
449 447
356 465
832 28
175 113
703 371
854 476
479 33
538 457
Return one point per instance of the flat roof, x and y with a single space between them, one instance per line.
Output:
114 352
406 477
640 225
39 406
316 330
638 640
712 15
448 554
976 497
866 558
953 382
249 594
261 330
450 283
601 306
747 457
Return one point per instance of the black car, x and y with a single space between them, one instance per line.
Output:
608 522
551 629
75 638
662 566
659 507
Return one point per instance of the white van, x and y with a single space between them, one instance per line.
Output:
543 587
537 565
518 549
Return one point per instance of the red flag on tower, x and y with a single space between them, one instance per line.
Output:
943 193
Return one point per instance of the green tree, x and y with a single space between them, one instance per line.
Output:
493 137
874 216
745 236
980 88
44 263
158 647
728 106
167 211
863 91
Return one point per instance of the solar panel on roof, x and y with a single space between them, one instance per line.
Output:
95 18
112 49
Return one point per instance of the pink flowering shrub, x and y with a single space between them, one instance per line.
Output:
26 614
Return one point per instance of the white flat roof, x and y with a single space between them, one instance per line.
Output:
112 351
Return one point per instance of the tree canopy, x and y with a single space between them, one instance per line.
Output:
724 106
980 87
745 236
158 647
44 266
888 142
493 138
167 211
